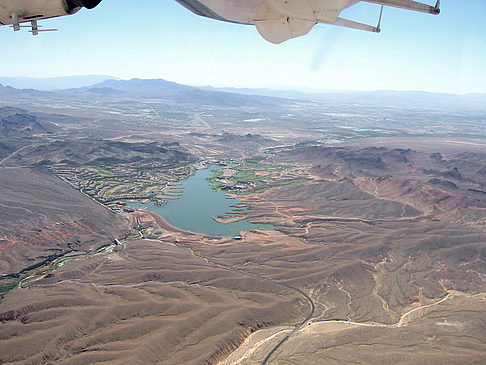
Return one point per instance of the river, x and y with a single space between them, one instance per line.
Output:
198 204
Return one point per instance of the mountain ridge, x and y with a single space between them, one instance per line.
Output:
233 97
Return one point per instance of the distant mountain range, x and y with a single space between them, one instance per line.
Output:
167 90
245 96
378 97
162 89
53 83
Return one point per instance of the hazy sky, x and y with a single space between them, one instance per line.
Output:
161 39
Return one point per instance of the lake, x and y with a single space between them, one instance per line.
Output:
198 204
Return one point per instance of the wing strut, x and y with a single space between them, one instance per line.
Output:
360 26
378 27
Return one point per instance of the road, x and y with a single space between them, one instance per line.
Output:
198 119
164 224
255 276
14 153
297 328
402 322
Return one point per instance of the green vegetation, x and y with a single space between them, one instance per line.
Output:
275 184
152 189
214 179
113 190
215 185
255 160
35 275
100 171
292 182
253 176
214 175
7 287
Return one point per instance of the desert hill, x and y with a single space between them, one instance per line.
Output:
42 215
98 152
15 122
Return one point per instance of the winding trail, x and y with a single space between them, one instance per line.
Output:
400 323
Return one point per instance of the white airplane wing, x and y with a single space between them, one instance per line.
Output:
276 20
280 20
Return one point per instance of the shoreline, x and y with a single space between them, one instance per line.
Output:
164 224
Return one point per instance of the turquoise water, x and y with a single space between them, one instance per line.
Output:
198 204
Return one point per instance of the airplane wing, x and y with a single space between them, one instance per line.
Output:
280 20
276 20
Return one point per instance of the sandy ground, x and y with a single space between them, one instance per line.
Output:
256 346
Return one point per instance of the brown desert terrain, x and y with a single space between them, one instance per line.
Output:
43 216
377 254
374 262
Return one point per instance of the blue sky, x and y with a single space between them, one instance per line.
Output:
161 39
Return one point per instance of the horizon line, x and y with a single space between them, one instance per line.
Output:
285 88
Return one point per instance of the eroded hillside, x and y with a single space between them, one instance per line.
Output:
373 261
